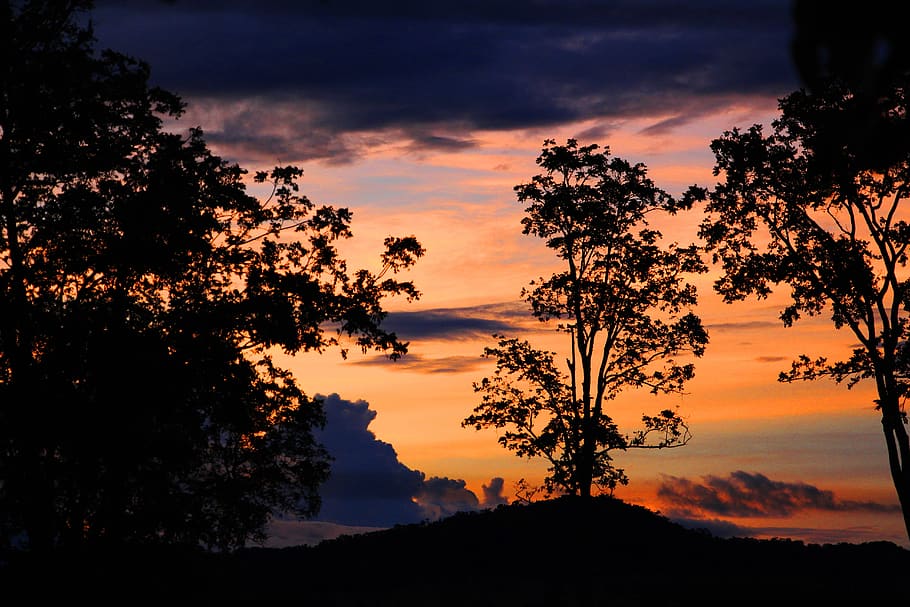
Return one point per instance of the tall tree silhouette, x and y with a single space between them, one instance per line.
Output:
142 291
807 208
623 301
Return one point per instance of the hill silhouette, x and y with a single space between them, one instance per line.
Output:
565 551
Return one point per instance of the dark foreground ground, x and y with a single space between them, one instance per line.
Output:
560 552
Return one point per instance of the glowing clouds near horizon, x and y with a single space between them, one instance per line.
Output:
744 494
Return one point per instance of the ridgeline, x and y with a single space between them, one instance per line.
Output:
563 552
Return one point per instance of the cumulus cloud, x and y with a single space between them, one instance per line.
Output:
745 494
441 497
492 493
370 487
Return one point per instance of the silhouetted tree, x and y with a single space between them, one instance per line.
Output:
623 300
866 50
142 290
793 210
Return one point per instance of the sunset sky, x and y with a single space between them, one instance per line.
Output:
421 117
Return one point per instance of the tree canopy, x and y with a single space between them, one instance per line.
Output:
623 300
143 291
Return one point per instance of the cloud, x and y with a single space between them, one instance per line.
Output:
441 497
492 493
770 359
369 487
419 364
757 325
457 323
668 125
744 494
453 67
451 324
716 527
422 143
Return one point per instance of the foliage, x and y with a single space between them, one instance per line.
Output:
869 55
829 224
142 293
623 300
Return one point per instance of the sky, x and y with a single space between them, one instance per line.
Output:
421 117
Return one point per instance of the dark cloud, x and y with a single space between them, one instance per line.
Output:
457 323
273 130
492 493
441 143
441 497
623 13
668 125
419 364
450 324
433 72
750 325
599 132
770 359
369 487
744 494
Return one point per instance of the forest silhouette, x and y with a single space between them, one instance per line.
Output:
567 551
149 437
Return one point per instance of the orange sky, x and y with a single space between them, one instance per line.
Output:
462 208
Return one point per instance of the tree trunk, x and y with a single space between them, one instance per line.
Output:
898 444
588 442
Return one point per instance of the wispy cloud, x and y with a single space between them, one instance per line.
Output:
416 363
432 142
749 325
458 323
744 494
